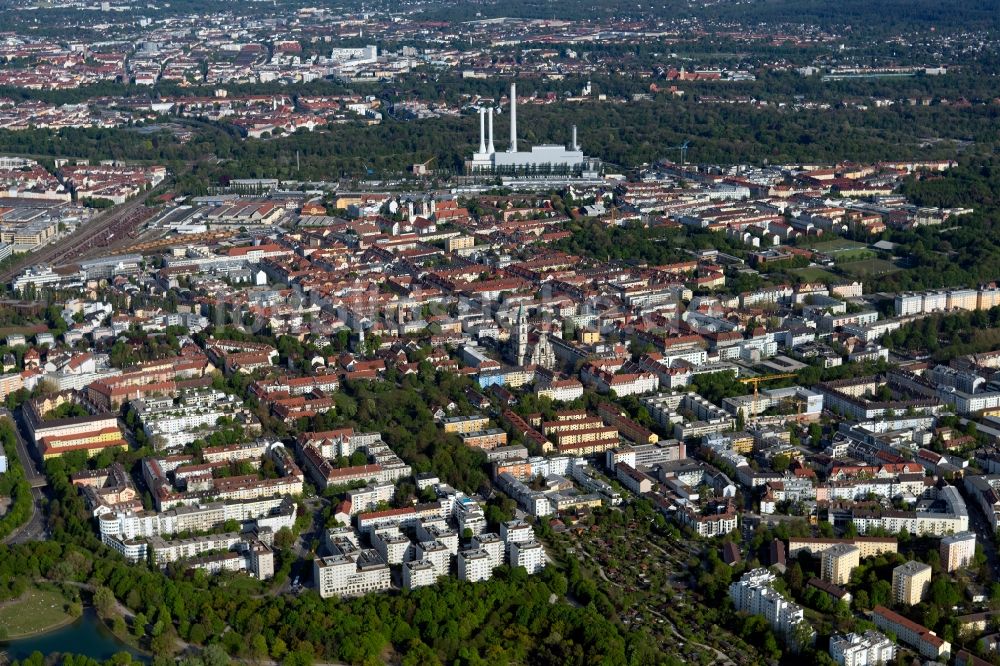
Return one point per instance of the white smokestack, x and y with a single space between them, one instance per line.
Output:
491 149
513 117
482 130
574 146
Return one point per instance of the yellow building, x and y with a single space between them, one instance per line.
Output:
465 424
910 582
457 243
838 562
742 442
92 441
485 439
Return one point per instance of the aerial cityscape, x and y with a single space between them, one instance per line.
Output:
440 333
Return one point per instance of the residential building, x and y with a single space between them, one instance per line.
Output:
527 554
957 550
474 566
352 574
917 636
868 649
838 562
910 582
754 593
418 573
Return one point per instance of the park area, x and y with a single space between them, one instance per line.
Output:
33 612
868 268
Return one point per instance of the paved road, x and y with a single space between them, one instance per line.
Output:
34 529
984 535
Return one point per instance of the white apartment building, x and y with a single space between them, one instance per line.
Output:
868 649
369 497
392 545
438 530
469 515
437 554
957 550
516 530
492 544
354 574
474 566
527 554
418 573
754 594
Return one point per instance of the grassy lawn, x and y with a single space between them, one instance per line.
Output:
814 274
33 612
868 267
849 256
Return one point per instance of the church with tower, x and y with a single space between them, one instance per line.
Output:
523 350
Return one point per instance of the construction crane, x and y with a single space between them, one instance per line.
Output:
421 169
684 151
757 380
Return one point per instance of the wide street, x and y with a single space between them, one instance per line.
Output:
34 529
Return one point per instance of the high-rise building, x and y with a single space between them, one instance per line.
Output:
838 562
754 594
474 566
958 550
910 582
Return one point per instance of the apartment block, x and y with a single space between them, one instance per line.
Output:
754 593
418 573
838 562
917 636
527 554
957 550
353 574
910 582
867 649
474 566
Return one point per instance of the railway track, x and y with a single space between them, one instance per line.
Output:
81 241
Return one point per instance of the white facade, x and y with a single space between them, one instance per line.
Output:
437 554
753 594
392 545
492 544
474 566
527 554
868 649
355 574
418 573
958 550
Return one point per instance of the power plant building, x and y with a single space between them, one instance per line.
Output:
540 160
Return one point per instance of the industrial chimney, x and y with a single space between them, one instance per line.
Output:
490 150
574 145
513 117
482 130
